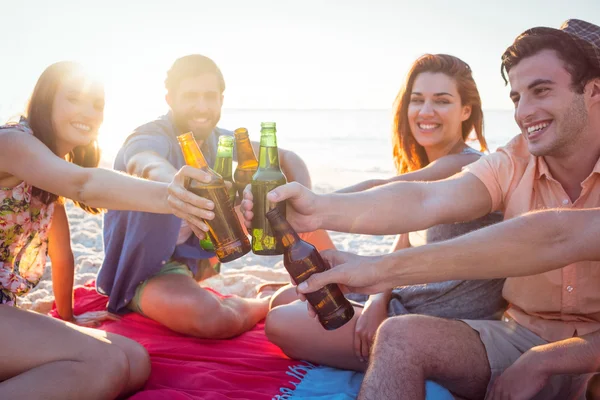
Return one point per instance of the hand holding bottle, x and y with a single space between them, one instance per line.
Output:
354 274
302 206
187 205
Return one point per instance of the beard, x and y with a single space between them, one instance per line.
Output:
182 122
570 126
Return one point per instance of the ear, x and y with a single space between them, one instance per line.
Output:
592 91
466 113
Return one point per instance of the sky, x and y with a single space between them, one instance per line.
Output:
303 54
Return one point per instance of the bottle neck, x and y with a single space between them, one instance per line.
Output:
282 228
268 157
191 151
223 165
245 152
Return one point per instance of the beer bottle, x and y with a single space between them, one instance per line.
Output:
267 177
224 163
301 259
246 161
225 230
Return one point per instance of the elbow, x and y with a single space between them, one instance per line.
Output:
82 187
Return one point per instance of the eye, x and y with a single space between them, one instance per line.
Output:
416 100
541 90
74 99
442 101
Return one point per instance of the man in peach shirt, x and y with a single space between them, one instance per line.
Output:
554 76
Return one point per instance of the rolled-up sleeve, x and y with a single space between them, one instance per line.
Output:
496 172
138 143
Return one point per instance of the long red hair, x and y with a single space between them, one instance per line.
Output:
408 154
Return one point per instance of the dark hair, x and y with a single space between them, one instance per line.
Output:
576 63
190 66
39 117
408 154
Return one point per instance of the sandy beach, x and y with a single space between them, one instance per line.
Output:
239 277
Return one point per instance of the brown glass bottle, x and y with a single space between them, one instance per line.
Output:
247 164
225 230
301 260
267 177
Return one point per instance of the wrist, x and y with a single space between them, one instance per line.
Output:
535 359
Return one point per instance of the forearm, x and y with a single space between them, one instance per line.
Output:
294 168
385 210
577 355
113 190
527 245
158 172
365 185
62 284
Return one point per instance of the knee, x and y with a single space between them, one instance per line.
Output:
139 365
276 328
108 371
220 322
402 333
285 295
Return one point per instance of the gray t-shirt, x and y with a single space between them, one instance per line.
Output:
478 299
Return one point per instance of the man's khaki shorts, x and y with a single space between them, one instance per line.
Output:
505 341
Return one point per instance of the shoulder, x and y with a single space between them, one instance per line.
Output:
160 126
220 131
15 128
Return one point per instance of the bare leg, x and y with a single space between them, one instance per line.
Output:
44 358
302 337
285 295
412 348
177 302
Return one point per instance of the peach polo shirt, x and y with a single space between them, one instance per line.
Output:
558 304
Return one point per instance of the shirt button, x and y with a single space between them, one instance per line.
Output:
565 202
569 288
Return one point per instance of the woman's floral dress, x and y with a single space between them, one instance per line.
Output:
24 226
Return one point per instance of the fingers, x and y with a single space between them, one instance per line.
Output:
358 342
246 207
187 172
365 347
311 311
287 191
184 201
317 281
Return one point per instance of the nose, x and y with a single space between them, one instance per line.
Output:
524 110
426 109
93 113
202 104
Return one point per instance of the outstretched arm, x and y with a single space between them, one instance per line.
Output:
27 158
531 244
443 168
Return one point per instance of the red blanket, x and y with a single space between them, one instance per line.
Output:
246 367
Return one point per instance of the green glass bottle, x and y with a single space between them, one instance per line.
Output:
267 177
224 163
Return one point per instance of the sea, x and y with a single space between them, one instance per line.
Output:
343 147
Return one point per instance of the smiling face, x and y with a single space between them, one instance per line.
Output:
77 112
551 115
435 112
196 104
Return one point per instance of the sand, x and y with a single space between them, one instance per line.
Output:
239 277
